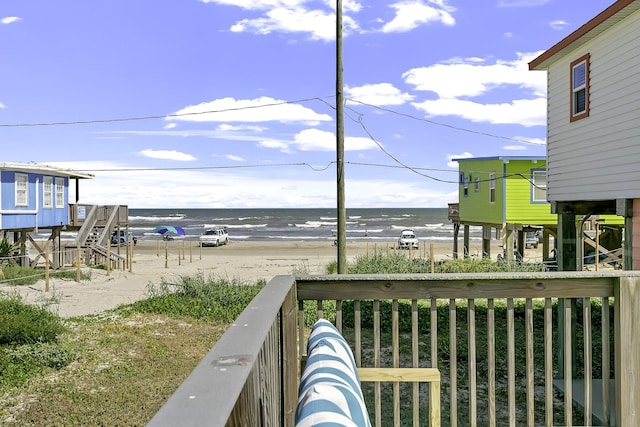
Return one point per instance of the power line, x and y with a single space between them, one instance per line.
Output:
193 168
131 119
164 116
433 122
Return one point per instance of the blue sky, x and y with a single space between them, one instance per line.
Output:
230 103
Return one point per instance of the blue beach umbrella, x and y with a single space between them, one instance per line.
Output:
164 229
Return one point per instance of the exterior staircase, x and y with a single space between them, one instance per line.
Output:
96 225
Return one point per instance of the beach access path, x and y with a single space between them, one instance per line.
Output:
153 262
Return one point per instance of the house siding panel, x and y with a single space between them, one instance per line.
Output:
606 141
476 207
519 206
33 215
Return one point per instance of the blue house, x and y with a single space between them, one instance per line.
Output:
35 196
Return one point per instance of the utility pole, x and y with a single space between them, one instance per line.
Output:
342 211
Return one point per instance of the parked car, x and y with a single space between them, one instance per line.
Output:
531 239
408 239
214 237
124 238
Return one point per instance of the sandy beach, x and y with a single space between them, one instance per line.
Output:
242 260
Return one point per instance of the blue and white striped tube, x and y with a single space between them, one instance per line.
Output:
330 392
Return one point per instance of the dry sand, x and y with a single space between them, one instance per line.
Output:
153 261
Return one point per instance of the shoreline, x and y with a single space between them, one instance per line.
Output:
244 261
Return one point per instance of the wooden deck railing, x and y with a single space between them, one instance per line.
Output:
498 368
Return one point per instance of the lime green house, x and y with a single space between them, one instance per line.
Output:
507 197
504 190
504 194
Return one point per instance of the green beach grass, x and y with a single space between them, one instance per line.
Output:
118 367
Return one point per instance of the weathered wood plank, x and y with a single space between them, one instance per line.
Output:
511 363
548 362
415 360
395 342
357 313
588 383
606 356
453 360
435 286
473 398
376 359
529 362
491 361
397 375
568 369
627 349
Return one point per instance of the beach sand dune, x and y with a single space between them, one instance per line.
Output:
154 261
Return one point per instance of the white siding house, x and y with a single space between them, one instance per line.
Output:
593 122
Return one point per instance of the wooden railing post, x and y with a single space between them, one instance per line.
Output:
627 351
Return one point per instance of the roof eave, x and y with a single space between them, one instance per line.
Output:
45 169
603 21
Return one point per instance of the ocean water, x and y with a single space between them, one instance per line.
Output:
430 224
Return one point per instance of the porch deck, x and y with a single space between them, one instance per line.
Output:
250 377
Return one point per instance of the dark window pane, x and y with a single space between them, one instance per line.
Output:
580 101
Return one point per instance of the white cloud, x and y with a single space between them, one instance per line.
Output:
258 4
532 141
514 147
318 24
10 20
169 126
272 143
558 24
167 155
410 14
234 128
458 81
465 78
454 165
378 94
282 187
318 140
263 109
526 112
292 16
522 3
234 158
2 105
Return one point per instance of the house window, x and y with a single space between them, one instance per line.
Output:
22 190
492 187
580 88
59 192
476 185
47 192
539 186
465 186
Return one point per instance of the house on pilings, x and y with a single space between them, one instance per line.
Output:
593 93
507 197
34 200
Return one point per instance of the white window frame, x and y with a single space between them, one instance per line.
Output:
59 193
492 187
22 189
465 186
538 189
47 192
579 87
476 185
